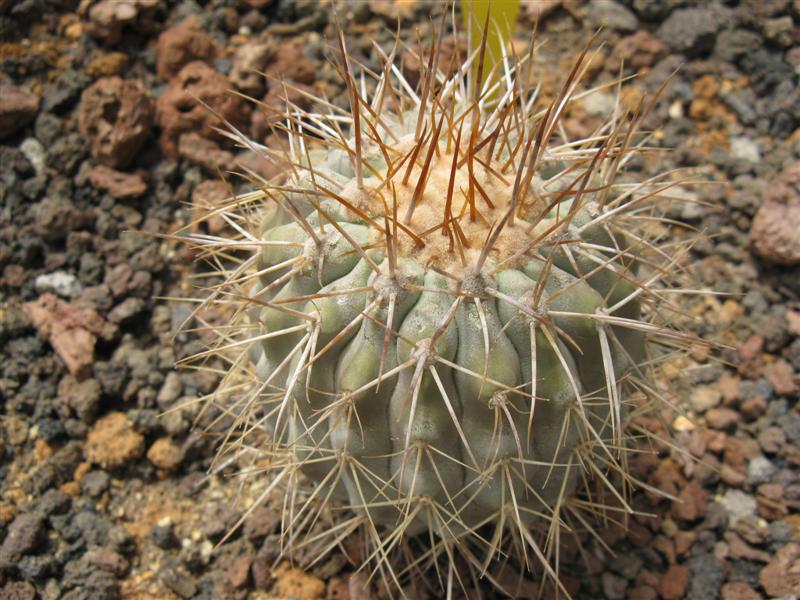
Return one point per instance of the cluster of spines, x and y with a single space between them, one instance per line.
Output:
498 120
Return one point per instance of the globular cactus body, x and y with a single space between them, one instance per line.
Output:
442 315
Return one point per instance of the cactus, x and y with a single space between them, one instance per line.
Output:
441 319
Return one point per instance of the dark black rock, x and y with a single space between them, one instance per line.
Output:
61 95
164 537
94 483
692 31
36 568
25 533
177 580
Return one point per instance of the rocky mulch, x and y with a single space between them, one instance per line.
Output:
104 492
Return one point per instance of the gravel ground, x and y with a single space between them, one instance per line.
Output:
104 491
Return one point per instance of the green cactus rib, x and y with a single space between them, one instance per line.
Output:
442 319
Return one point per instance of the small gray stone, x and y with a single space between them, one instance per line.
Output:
62 283
177 580
738 505
735 43
692 30
760 470
34 151
612 15
744 148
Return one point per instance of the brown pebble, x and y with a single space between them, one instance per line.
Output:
71 331
182 44
238 572
291 582
781 577
692 503
119 185
772 439
781 374
739 590
18 108
113 442
754 407
729 388
260 523
179 110
204 153
673 584
165 454
261 570
721 418
774 232
117 116
750 356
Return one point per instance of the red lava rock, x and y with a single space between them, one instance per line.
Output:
731 476
261 571
721 418
754 407
642 592
118 184
204 153
116 115
737 452
257 163
729 388
239 571
18 590
273 107
683 542
781 577
453 52
781 375
692 503
359 587
750 359
108 18
665 547
793 318
18 108
179 111
771 439
249 63
112 442
206 197
739 549
290 64
639 50
739 590
260 523
71 331
182 44
108 560
771 501
337 589
673 584
774 233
